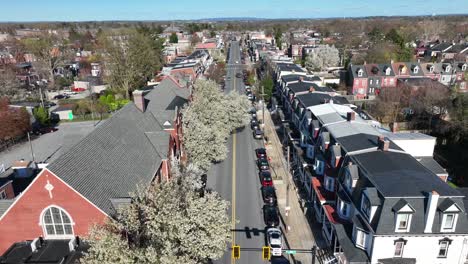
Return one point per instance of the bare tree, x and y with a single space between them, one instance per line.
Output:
50 52
432 29
9 84
390 103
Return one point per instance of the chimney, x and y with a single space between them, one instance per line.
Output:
431 211
383 143
391 61
350 116
365 62
311 89
139 100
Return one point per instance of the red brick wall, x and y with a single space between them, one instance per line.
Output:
22 221
8 188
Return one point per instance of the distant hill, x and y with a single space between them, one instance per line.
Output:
222 19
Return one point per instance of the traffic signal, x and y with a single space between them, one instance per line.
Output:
266 253
236 252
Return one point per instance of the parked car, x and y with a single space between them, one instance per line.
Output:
261 153
253 112
254 124
238 75
275 241
269 195
44 130
263 164
265 178
257 133
271 215
61 96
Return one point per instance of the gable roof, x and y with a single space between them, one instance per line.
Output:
113 159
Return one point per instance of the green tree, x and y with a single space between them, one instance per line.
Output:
267 84
173 38
212 34
41 115
169 222
278 35
376 35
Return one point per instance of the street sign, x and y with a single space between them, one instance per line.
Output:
291 252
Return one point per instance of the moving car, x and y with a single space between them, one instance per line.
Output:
269 195
261 153
61 96
265 178
263 164
274 238
271 215
237 61
257 133
238 75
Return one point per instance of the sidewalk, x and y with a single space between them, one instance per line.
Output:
299 235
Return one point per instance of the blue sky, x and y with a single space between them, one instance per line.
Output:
54 10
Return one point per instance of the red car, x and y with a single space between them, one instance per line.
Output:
265 178
261 153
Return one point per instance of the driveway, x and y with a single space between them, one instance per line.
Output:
49 146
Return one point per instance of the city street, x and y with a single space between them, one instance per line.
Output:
236 179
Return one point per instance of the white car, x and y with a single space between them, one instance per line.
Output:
275 241
237 61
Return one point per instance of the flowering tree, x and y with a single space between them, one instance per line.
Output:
208 120
170 222
322 58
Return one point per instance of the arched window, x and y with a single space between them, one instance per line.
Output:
56 223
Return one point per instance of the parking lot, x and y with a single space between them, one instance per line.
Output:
49 146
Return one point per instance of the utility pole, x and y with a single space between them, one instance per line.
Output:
287 189
31 146
263 107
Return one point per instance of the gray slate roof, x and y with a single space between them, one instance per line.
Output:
113 159
123 152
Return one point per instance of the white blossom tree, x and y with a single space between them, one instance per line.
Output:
169 222
322 57
208 120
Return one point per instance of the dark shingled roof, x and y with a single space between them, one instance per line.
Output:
311 99
51 252
398 261
289 67
432 165
296 77
352 253
387 169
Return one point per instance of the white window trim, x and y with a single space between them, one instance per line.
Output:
341 206
446 244
44 231
364 239
401 249
397 229
348 181
3 195
444 219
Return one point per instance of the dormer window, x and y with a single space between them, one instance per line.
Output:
450 211
448 68
402 69
431 69
387 71
416 69
463 67
366 206
403 215
360 72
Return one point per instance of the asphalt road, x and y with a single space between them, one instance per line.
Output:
236 179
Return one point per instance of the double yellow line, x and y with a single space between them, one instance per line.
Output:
233 194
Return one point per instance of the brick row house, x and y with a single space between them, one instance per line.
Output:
378 196
85 185
368 79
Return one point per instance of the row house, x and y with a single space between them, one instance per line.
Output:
368 79
283 68
377 203
88 183
447 51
